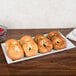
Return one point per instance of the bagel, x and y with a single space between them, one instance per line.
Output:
11 42
30 48
59 43
15 52
45 45
53 34
26 38
38 37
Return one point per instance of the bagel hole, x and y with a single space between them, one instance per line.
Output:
58 42
29 48
44 45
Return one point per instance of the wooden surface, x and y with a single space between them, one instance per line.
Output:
59 64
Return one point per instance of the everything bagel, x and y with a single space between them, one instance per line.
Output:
38 37
30 49
45 45
53 34
26 38
11 42
14 50
59 43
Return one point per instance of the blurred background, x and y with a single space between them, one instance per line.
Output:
22 14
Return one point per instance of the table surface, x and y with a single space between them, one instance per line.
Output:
58 64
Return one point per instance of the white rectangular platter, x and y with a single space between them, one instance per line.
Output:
9 61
